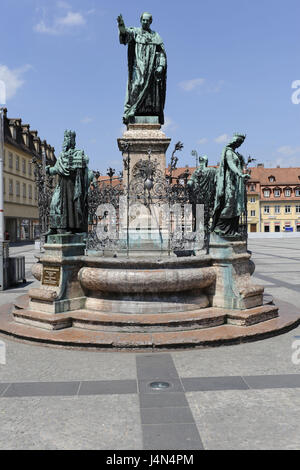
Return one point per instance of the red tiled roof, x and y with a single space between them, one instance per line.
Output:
283 176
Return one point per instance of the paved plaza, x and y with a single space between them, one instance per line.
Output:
244 396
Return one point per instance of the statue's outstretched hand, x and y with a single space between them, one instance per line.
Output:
121 21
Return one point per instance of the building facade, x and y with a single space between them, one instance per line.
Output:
274 199
21 217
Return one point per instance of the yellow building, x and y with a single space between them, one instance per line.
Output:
20 191
253 205
274 195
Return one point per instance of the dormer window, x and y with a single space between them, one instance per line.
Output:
287 192
271 179
297 192
266 193
252 187
276 192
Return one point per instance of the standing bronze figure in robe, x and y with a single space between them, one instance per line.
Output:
147 71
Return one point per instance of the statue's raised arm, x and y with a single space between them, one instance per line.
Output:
121 24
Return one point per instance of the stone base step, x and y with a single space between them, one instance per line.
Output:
207 337
143 323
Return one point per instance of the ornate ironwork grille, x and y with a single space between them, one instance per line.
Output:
120 210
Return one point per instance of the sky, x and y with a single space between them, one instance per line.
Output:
232 66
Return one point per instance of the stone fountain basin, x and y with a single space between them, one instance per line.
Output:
146 276
143 285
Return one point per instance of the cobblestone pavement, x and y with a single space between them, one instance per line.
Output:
233 397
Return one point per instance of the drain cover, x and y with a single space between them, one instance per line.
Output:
160 385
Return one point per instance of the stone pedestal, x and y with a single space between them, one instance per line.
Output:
57 270
141 137
233 287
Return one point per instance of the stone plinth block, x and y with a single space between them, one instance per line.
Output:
141 137
233 287
57 271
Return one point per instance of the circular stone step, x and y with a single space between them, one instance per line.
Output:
197 338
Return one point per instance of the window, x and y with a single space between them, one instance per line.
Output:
29 168
252 199
287 192
30 191
267 228
35 194
297 192
24 166
266 193
266 209
24 190
297 209
17 188
17 162
252 187
271 179
252 213
11 189
276 192
277 228
277 209
287 209
10 160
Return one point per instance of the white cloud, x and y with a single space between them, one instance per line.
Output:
123 128
86 120
201 85
202 141
42 28
189 85
169 124
12 78
71 19
61 24
222 139
288 150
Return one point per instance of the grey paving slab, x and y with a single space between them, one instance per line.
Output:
269 356
175 386
71 423
273 381
25 362
155 366
3 387
191 384
247 419
159 400
171 437
166 415
108 387
38 389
